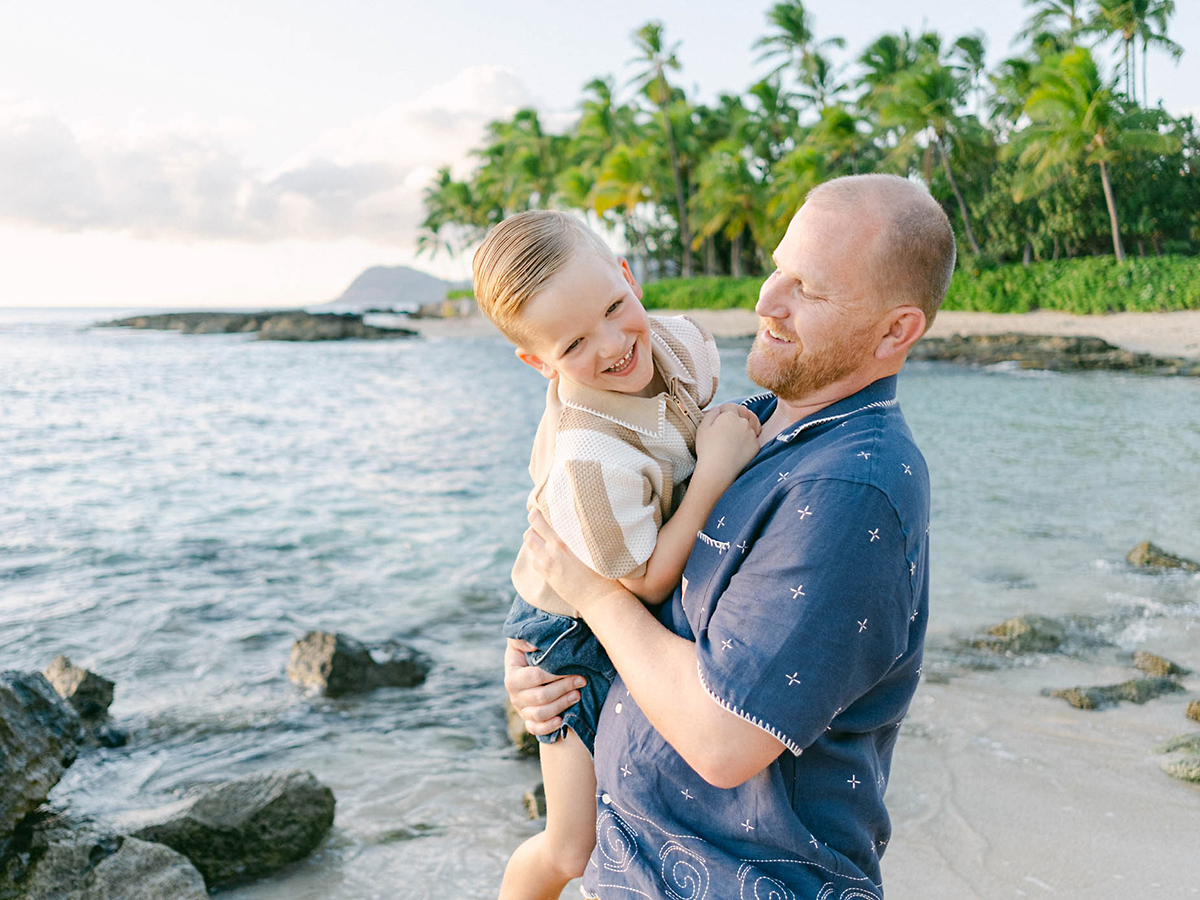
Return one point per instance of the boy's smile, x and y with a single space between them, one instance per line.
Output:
588 327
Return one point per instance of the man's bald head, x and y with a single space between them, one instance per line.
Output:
911 256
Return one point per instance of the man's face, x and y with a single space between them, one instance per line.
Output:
819 316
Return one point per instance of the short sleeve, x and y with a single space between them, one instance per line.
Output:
608 514
815 617
706 362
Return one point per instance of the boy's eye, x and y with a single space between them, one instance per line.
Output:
571 346
613 308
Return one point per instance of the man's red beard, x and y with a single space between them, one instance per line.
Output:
793 373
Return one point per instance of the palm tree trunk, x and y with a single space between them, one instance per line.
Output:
1112 212
735 257
962 205
685 233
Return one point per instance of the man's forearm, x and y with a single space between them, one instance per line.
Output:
659 669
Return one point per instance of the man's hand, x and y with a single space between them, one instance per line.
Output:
538 696
562 569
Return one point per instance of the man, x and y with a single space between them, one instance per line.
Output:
745 748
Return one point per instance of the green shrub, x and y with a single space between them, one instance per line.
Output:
702 293
1083 285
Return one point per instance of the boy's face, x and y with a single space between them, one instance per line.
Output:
588 326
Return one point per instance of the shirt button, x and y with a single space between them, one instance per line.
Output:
618 707
605 799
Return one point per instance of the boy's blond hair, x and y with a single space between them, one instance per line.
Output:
520 256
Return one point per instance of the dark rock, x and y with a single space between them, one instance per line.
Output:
39 738
1148 555
250 827
1024 634
64 861
89 693
1156 665
1136 691
272 325
526 743
535 801
336 664
303 326
1057 353
1193 711
199 322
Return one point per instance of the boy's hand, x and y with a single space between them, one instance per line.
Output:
538 696
726 441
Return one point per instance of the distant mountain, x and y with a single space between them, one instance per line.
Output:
391 287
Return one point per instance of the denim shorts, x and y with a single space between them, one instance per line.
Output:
565 646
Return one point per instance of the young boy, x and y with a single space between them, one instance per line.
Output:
622 433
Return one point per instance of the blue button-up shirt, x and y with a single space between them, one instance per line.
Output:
806 595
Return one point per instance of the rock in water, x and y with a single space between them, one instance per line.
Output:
1151 556
89 693
526 743
1138 690
535 801
1193 711
248 828
1157 666
336 664
39 738
1024 634
84 863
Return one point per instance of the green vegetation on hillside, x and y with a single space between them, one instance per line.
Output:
1052 153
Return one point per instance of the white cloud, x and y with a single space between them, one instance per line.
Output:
186 181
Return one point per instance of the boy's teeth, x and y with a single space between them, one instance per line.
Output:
622 362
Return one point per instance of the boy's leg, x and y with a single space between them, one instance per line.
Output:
541 867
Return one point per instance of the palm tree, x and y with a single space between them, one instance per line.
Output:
770 122
727 198
652 81
450 221
1062 18
1153 30
1076 116
1128 20
922 102
794 42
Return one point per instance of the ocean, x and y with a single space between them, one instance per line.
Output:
177 510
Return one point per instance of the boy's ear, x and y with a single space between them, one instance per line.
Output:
627 274
536 362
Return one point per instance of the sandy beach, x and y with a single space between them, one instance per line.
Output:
1163 334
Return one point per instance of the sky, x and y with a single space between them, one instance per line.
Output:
264 153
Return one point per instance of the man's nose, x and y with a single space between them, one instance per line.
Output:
770 298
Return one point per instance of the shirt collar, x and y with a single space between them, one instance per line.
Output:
645 415
876 395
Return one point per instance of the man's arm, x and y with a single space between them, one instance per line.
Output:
658 667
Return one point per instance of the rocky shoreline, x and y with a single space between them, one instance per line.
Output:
218 836
1053 353
270 325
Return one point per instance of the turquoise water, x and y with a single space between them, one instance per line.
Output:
176 510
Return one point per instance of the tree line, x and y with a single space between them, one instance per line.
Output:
1050 154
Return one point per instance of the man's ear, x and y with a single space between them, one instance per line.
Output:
907 324
627 274
536 362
